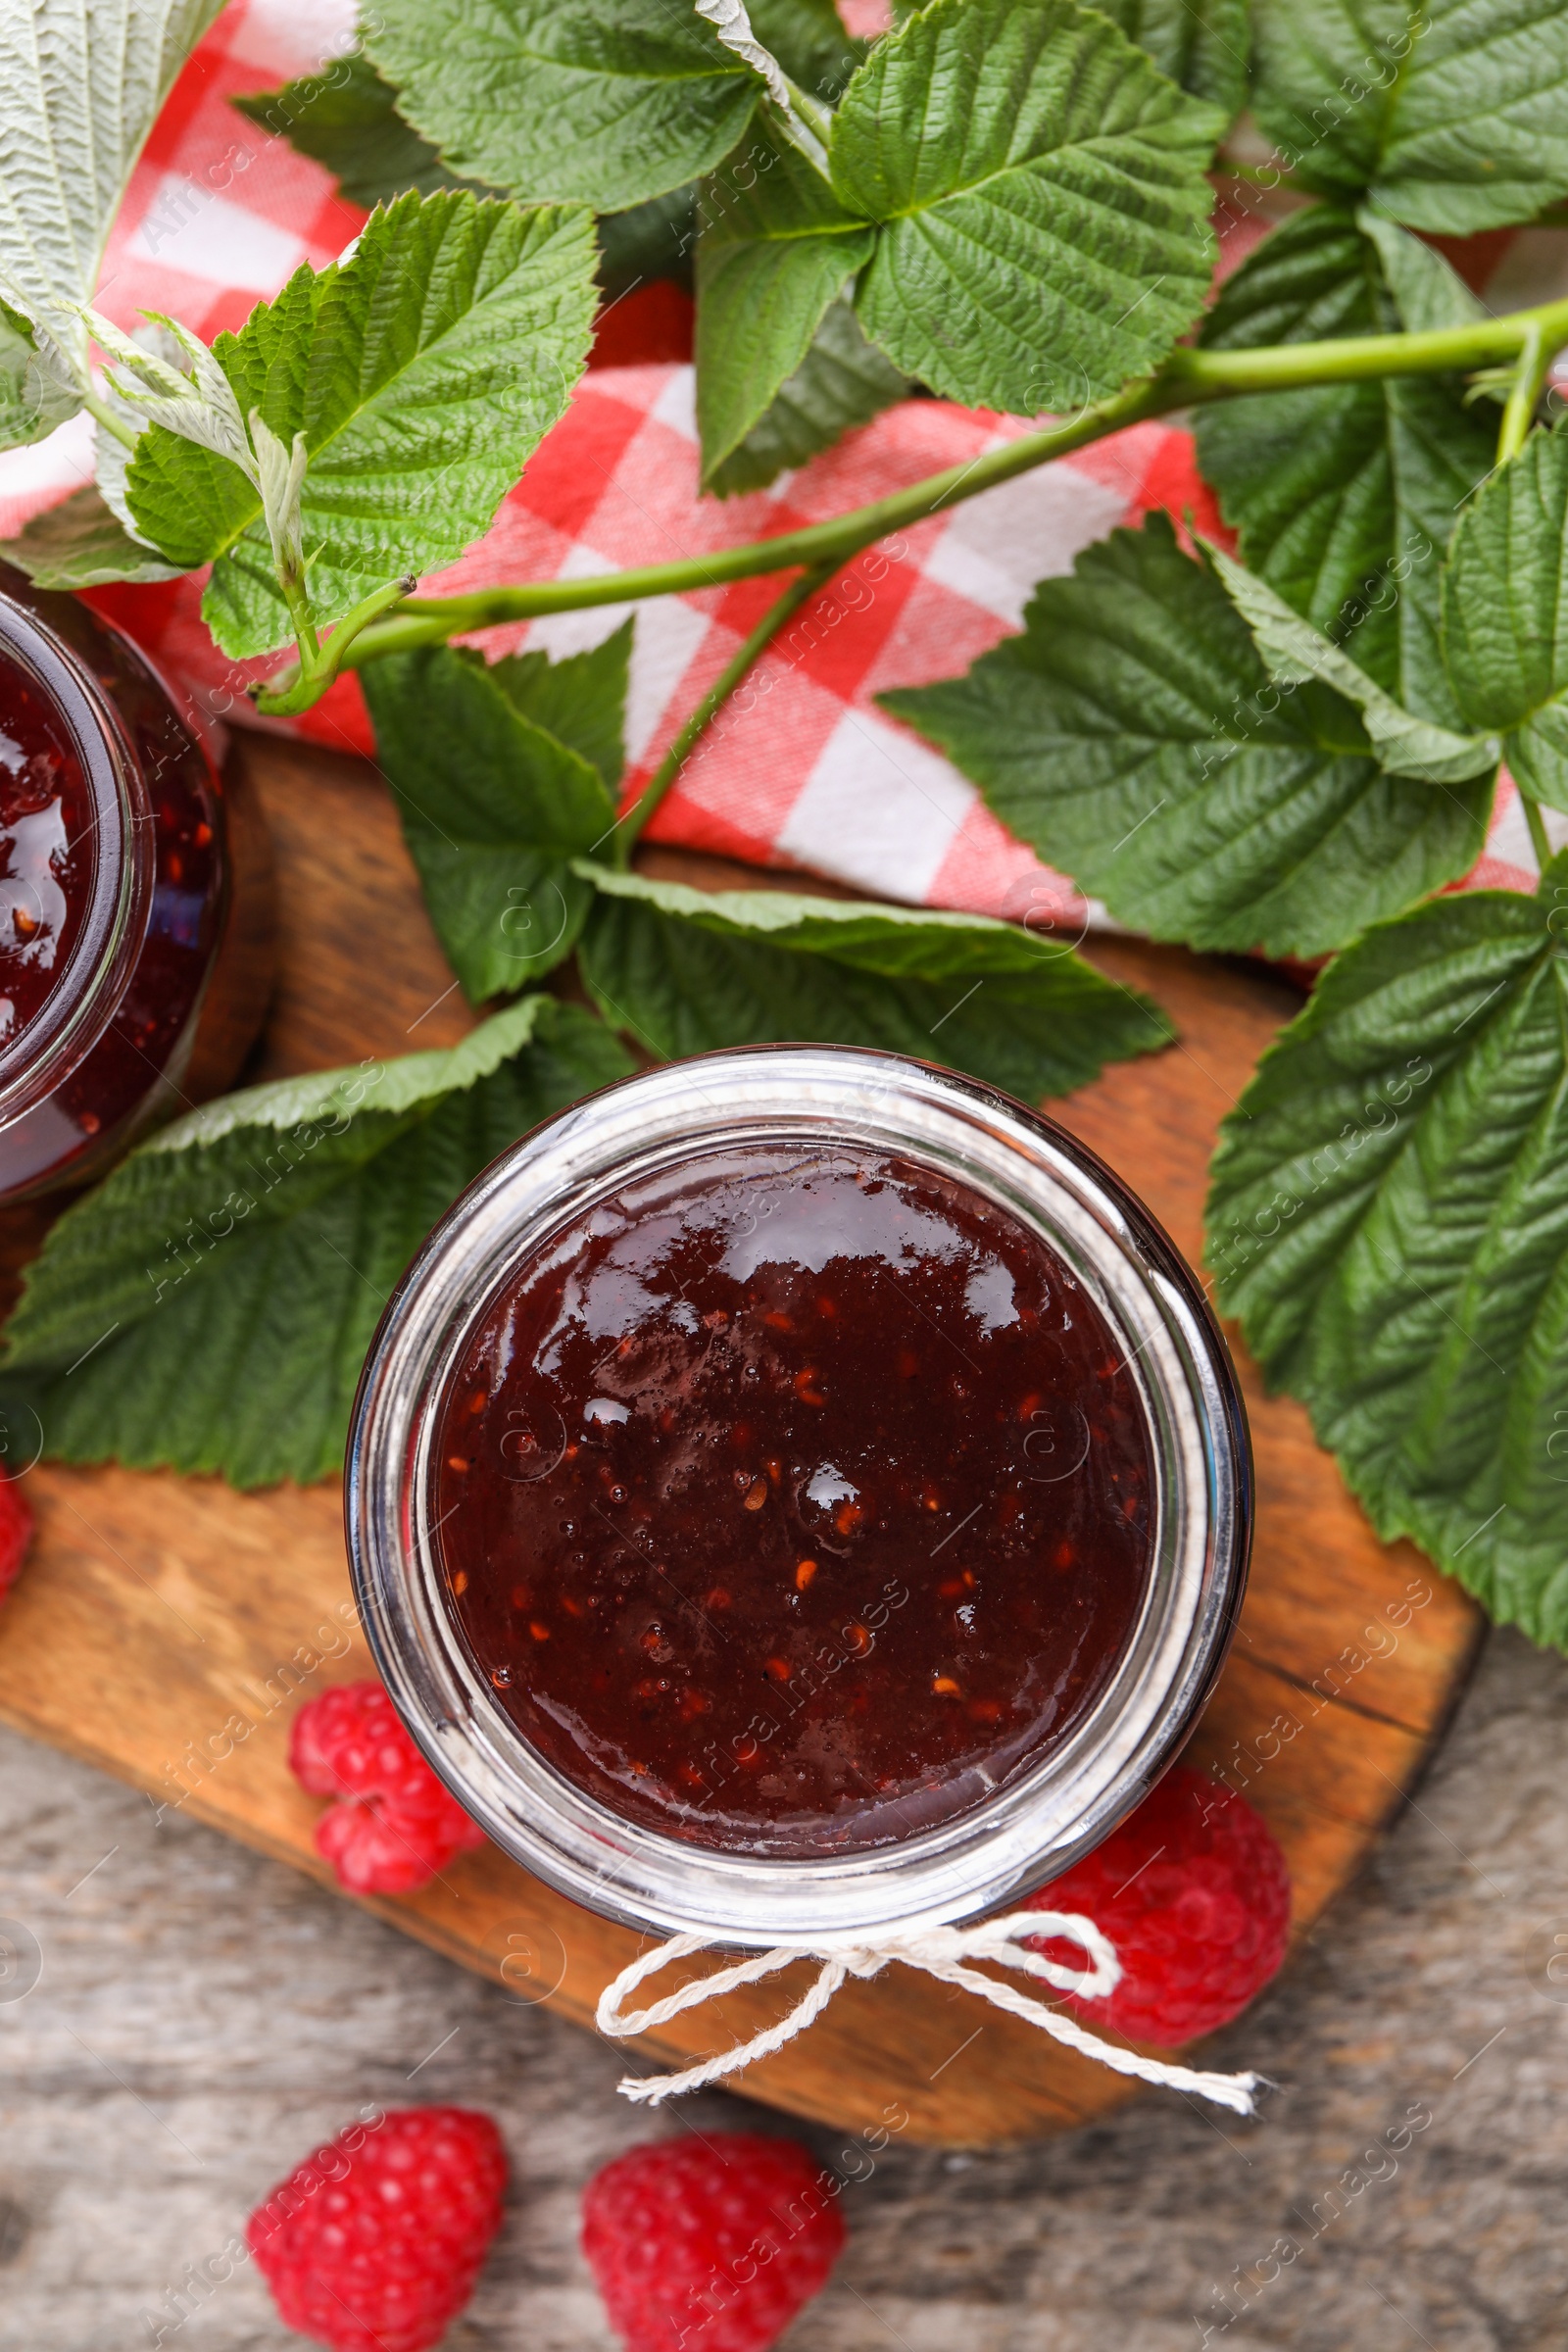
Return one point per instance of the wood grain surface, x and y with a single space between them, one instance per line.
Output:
167 1629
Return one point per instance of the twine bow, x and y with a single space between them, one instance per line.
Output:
941 1952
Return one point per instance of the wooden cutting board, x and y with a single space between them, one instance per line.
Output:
165 1629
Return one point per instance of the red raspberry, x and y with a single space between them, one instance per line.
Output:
16 1532
373 2243
394 1824
712 2244
1194 1892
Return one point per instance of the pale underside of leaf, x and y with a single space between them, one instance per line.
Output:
36 392
80 87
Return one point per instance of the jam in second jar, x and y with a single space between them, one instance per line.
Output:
135 943
793 1501
47 849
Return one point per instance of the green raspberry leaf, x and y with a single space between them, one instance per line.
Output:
1132 736
81 544
422 373
493 806
1203 47
1450 115
580 700
1505 613
655 239
1344 496
208 1308
843 382
771 260
1043 201
348 120
1291 649
606 102
684 971
1390 1220
1427 292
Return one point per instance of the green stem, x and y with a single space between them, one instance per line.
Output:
798 593
818 119
297 598
430 621
102 414
1530 376
320 664
1188 378
1538 831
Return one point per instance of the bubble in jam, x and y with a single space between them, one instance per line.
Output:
46 849
793 1501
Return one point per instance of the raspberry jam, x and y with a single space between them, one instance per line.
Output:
47 849
796 1493
794 1500
134 937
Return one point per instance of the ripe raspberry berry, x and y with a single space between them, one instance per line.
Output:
373 2243
394 1824
1194 1892
16 1533
712 2244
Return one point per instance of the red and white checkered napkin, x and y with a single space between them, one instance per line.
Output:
809 773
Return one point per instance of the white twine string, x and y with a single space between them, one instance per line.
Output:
939 1953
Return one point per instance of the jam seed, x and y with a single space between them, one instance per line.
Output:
807 1389
951 1588
778 1668
459 1582
757 1496
984 1710
540 1633
458 1462
944 1686
718 1598
804 1574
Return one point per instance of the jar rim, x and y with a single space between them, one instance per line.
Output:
1034 1825
83 1001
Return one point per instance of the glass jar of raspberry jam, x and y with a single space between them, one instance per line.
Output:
135 934
798 1491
